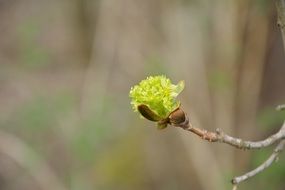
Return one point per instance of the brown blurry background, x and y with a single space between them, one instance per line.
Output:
66 68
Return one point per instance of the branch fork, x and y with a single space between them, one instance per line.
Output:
178 118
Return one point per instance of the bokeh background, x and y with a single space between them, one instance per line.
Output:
66 68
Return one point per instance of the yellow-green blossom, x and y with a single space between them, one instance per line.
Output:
158 93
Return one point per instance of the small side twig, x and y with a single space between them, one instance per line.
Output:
263 166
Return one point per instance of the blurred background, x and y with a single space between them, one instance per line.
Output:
66 68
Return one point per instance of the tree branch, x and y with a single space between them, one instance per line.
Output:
178 118
220 136
280 6
263 166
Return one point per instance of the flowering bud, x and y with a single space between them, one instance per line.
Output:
155 97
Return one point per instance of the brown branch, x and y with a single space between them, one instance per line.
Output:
280 6
263 166
220 136
178 118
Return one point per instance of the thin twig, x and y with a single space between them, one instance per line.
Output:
263 166
220 136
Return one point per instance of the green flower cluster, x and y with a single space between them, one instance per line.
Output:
158 93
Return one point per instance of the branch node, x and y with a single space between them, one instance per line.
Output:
280 25
276 159
234 182
280 107
219 131
243 145
220 135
